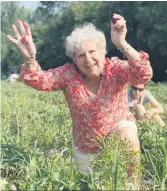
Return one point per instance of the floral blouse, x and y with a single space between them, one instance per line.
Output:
93 117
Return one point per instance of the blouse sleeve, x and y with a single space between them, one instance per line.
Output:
137 71
53 79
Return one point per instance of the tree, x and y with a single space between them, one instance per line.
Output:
10 13
52 22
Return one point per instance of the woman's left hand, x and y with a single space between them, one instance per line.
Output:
118 30
150 113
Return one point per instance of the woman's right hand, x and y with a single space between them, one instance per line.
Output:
24 40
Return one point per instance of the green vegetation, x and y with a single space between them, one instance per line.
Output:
36 145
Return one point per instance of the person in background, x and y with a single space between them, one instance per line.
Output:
138 96
95 87
13 78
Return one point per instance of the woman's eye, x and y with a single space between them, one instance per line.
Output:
92 51
81 55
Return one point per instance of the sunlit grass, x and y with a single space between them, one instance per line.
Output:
36 145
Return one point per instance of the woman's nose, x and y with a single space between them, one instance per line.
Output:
137 91
88 57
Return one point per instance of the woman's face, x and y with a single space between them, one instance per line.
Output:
90 59
137 90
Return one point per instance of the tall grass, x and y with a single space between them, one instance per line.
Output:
36 145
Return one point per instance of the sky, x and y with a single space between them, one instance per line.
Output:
30 4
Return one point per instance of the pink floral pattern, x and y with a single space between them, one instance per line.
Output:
95 117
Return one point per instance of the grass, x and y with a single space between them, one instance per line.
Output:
36 145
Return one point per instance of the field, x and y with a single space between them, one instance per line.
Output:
36 145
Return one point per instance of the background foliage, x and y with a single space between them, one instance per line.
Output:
53 21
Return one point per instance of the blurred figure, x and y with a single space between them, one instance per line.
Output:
13 78
137 97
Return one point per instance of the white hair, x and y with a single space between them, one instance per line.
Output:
86 33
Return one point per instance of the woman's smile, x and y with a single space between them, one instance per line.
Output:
88 65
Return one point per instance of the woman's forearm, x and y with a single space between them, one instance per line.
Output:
159 110
129 51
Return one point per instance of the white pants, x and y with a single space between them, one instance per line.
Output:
126 129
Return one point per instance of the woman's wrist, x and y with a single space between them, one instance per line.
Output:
128 51
30 64
33 56
29 61
123 47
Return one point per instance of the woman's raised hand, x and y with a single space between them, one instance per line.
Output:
118 30
23 40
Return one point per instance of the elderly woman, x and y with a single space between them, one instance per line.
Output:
95 87
138 96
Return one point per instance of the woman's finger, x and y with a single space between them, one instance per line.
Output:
120 23
27 29
118 26
17 34
121 26
117 16
113 28
11 39
22 29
